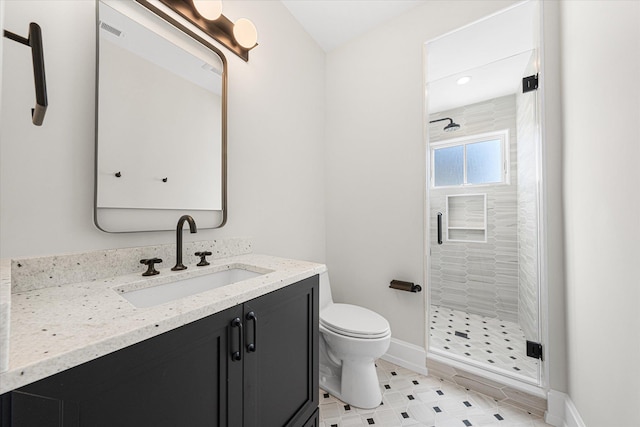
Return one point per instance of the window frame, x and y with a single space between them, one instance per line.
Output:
502 135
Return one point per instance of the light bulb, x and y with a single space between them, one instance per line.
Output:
209 9
245 33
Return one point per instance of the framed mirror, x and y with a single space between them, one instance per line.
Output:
160 123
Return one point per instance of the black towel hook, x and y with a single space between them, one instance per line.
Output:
37 55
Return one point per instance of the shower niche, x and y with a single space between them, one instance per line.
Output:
467 218
483 183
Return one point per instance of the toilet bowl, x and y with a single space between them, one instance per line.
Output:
351 339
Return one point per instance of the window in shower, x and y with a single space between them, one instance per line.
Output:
471 160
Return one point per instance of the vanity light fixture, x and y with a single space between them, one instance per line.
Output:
208 9
245 33
207 16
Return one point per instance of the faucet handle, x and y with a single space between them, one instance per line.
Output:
203 255
150 263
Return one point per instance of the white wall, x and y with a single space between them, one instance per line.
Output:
275 145
375 159
601 62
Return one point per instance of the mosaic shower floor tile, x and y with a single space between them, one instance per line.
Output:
487 340
411 399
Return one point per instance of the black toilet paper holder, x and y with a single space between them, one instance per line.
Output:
405 286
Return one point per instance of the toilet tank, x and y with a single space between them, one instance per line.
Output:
325 291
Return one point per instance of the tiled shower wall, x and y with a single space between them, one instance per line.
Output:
479 278
527 211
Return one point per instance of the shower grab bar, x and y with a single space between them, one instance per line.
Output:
439 228
35 43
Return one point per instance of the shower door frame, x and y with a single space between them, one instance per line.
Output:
539 386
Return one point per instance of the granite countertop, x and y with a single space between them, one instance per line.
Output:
5 309
62 326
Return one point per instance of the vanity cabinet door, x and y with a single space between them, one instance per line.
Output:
314 421
281 375
23 409
184 377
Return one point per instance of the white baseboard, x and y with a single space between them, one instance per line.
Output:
561 412
407 355
573 418
555 414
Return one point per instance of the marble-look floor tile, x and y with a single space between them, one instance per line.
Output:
498 343
411 399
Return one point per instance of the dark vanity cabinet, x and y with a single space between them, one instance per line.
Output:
255 365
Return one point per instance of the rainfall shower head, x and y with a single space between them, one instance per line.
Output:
451 127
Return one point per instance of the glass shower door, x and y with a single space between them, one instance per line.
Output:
482 192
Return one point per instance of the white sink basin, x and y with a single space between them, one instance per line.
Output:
160 294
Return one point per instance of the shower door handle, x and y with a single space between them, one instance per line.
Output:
439 228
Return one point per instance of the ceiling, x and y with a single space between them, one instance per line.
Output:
332 23
494 51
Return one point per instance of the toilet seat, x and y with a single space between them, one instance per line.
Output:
354 321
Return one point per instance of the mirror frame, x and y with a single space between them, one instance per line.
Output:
143 215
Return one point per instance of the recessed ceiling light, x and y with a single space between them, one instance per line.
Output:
464 80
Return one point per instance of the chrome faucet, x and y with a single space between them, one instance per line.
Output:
192 229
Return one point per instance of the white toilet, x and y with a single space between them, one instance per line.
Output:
351 339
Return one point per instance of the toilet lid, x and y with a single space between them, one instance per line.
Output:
354 321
